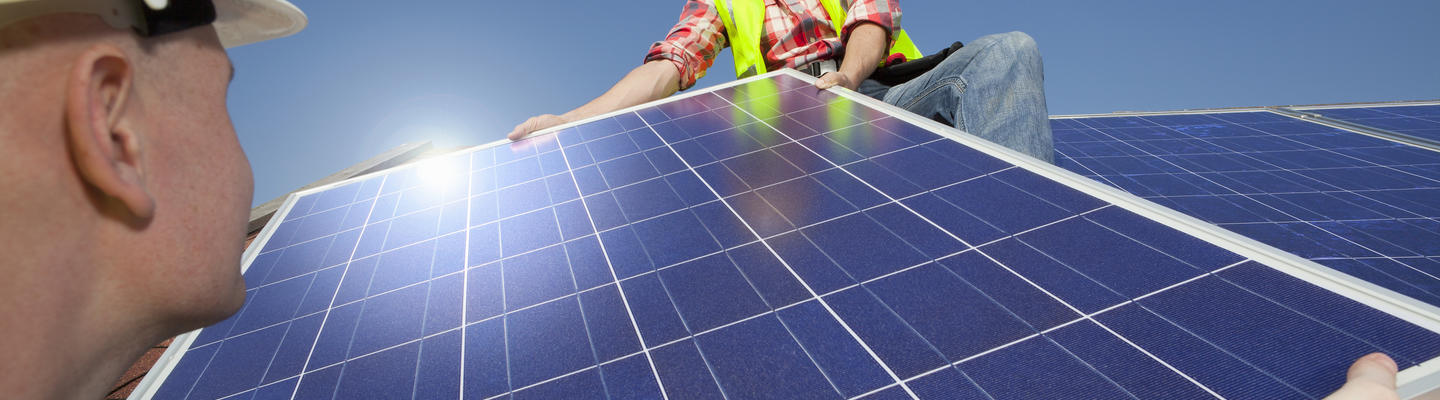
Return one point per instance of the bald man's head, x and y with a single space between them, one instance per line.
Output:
126 192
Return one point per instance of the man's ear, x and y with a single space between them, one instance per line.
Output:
106 149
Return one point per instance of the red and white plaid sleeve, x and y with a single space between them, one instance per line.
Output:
693 43
885 13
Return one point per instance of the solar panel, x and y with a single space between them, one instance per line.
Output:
763 239
1416 120
1358 204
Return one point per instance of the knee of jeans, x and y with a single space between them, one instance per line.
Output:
1019 44
1011 47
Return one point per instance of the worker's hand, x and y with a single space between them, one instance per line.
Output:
832 79
535 123
1370 377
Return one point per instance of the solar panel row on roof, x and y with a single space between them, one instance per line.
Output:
1355 203
1422 121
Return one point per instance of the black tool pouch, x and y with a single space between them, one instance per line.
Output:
896 74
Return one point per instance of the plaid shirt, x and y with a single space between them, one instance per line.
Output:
796 33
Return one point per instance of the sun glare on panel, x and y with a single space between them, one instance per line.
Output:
435 172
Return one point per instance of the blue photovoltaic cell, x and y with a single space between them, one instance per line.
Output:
769 240
1422 121
1358 204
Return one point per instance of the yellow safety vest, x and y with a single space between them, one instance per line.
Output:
745 24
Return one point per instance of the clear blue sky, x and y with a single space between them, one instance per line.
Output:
368 75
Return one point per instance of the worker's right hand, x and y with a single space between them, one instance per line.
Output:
535 123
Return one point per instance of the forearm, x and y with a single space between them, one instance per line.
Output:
863 51
650 81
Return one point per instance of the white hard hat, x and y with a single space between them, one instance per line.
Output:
238 22
242 22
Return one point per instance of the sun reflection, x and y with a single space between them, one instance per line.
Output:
436 172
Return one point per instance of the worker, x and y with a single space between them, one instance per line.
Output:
126 194
993 87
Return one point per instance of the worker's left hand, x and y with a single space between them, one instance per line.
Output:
533 124
831 79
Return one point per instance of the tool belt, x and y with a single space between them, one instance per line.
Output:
819 68
892 73
898 73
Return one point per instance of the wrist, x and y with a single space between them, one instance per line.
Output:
568 116
853 75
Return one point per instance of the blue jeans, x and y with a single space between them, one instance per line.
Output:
994 88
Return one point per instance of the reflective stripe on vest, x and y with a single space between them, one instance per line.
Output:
745 24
